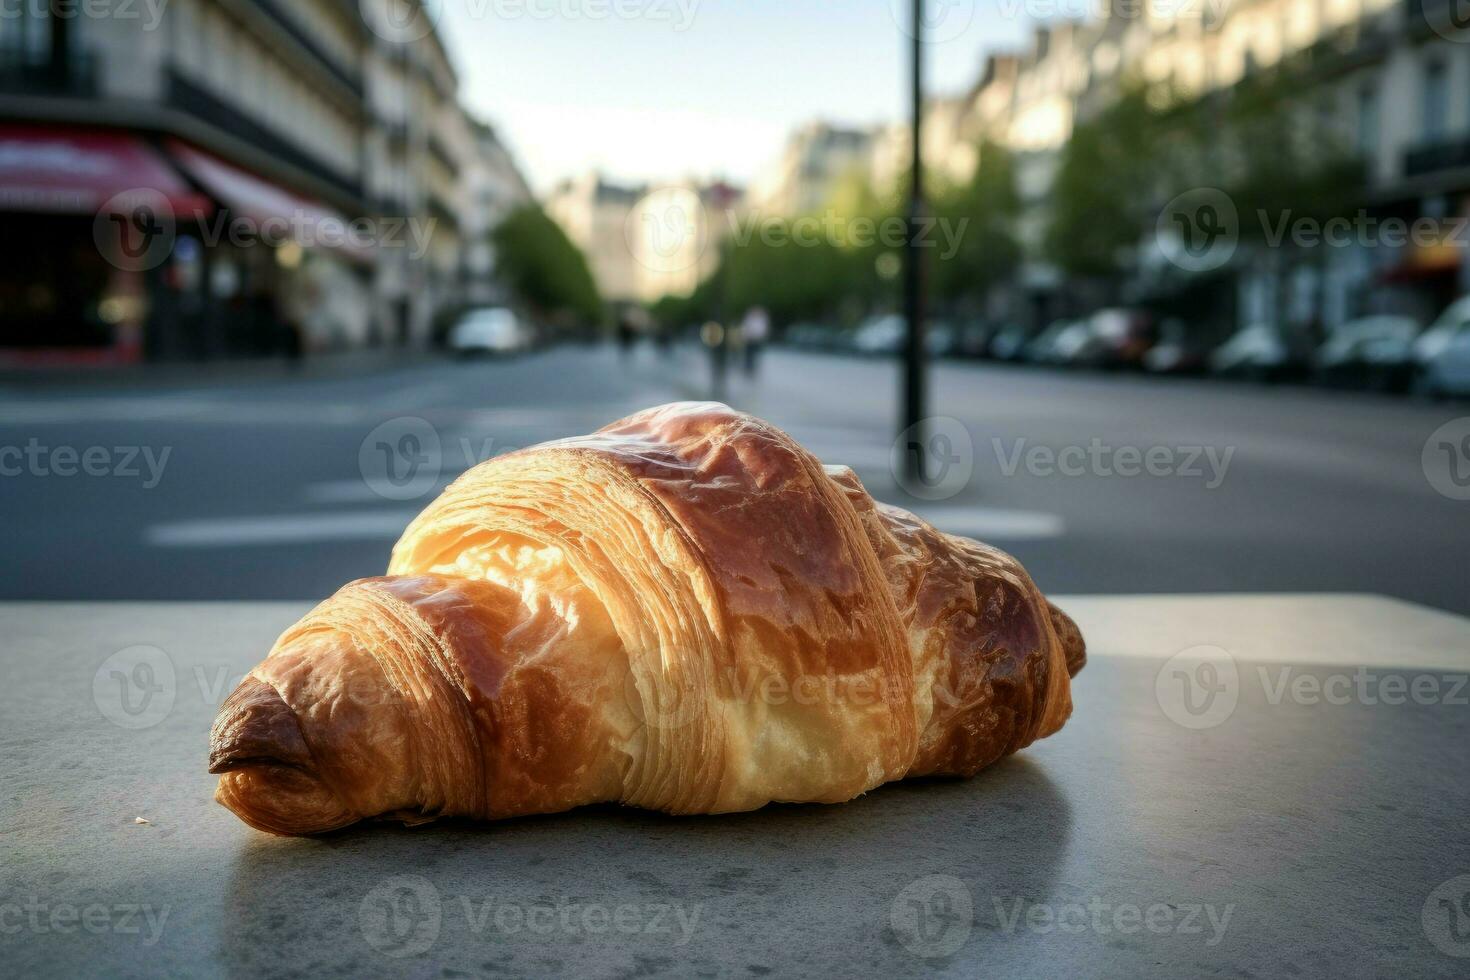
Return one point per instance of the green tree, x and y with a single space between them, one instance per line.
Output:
544 269
981 215
1104 185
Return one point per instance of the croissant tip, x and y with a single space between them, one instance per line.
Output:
256 726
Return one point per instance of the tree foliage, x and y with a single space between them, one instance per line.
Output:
544 269
840 264
1265 142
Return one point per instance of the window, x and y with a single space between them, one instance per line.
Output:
25 34
1367 121
1435 102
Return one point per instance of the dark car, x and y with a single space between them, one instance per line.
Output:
1177 351
1120 338
1009 342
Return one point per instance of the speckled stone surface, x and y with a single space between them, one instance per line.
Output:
1291 837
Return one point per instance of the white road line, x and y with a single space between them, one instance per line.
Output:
359 492
994 523
366 525
985 523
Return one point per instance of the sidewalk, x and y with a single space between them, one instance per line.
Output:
165 374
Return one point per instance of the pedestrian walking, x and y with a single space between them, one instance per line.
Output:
755 331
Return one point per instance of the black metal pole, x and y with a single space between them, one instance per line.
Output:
915 394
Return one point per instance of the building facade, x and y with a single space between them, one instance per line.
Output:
815 160
303 165
1385 80
595 213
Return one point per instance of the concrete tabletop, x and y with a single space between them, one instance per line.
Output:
1250 786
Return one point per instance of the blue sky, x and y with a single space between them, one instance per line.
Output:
698 88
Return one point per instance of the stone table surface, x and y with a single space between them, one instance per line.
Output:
1250 786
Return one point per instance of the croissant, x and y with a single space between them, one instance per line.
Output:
684 611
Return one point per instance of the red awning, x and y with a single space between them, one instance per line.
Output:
77 171
277 213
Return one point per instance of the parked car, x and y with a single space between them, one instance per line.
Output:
1448 373
1454 322
492 331
1177 351
881 335
941 339
1009 342
1124 335
973 339
1038 350
1375 352
810 336
1261 352
1079 345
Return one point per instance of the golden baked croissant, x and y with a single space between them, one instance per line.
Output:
684 611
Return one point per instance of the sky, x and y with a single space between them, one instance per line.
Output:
647 90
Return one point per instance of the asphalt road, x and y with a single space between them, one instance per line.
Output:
284 487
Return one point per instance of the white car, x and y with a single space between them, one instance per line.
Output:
1454 321
1449 372
495 331
882 335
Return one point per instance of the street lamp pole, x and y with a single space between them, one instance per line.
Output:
915 394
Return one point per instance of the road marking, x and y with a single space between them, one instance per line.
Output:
994 523
275 529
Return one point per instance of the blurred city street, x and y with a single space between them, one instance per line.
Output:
273 487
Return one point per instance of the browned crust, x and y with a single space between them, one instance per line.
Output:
695 553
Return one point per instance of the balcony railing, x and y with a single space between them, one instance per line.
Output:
350 77
1436 157
21 74
197 101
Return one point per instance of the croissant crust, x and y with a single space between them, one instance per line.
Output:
684 611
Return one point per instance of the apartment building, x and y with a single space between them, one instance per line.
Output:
595 214
1386 79
493 189
675 233
815 159
224 177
